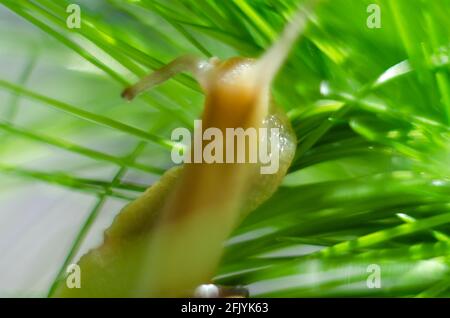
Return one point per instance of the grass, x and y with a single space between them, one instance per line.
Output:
370 183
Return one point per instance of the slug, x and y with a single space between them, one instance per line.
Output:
170 240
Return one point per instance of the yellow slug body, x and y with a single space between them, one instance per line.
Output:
170 240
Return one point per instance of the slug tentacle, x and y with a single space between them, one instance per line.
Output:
186 63
271 61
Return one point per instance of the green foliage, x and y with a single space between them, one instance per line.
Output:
370 183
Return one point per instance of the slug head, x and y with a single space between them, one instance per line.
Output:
234 97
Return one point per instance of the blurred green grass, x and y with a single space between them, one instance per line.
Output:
370 183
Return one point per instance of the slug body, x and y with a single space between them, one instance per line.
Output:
170 240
